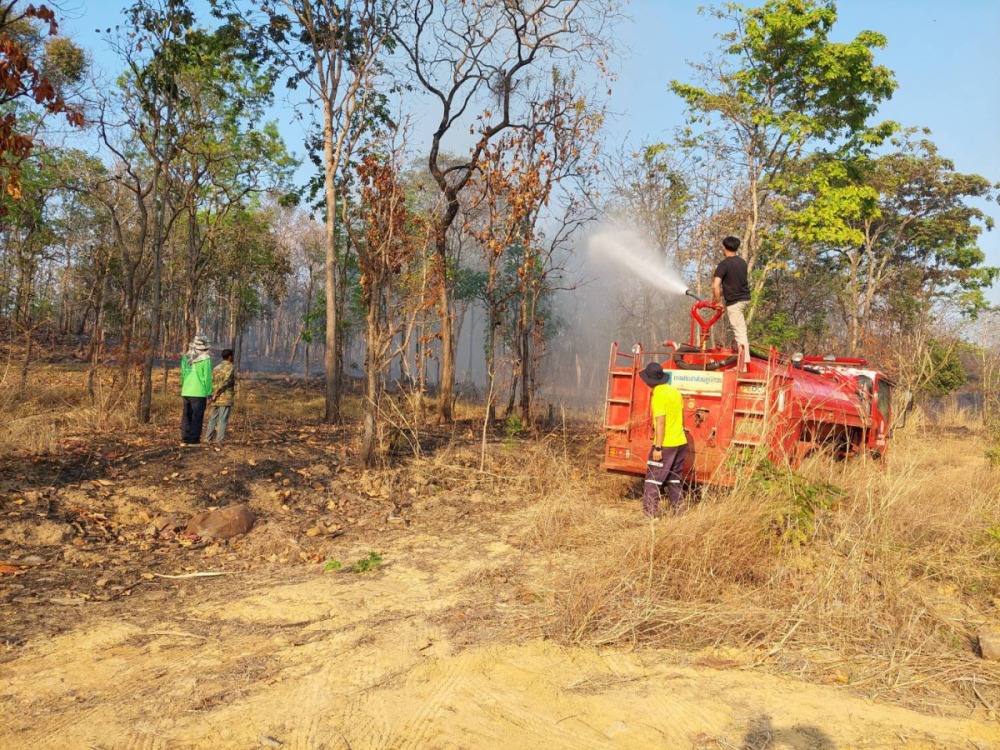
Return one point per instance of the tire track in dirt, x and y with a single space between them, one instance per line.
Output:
676 720
416 729
552 735
363 721
62 679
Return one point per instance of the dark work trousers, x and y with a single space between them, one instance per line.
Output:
192 419
667 471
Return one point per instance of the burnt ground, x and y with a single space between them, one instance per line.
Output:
80 527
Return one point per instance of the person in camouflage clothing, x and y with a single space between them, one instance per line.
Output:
223 397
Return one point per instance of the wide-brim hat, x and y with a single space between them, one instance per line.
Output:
655 375
201 343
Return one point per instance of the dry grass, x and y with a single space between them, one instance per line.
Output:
889 589
57 408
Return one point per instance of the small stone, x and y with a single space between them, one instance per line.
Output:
101 583
31 560
989 643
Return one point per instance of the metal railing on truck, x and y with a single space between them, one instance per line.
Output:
609 400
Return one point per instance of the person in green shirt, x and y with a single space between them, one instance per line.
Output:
223 397
196 389
665 464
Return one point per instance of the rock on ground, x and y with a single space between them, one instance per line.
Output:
223 523
989 643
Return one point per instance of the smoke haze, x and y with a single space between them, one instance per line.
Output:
627 250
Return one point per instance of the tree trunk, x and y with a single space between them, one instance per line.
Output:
238 347
515 375
421 365
26 363
147 370
491 379
97 336
163 361
331 364
526 368
446 382
372 371
65 321
275 323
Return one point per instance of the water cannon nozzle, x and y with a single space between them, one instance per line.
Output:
690 293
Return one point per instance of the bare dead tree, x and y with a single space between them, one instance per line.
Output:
473 58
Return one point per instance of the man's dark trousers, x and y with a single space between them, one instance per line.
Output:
193 418
667 471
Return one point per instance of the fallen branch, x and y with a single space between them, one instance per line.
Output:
208 574
177 632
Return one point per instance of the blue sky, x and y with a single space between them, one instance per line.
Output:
946 56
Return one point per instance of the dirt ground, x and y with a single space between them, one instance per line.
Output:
439 647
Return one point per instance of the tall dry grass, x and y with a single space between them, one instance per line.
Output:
57 408
884 587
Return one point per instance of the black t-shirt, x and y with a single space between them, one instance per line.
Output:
733 272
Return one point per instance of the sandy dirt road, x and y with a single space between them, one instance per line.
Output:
297 660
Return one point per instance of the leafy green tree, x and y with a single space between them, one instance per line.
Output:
252 267
779 87
184 129
946 373
900 221
231 152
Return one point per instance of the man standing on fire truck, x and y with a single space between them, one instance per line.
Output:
666 459
730 286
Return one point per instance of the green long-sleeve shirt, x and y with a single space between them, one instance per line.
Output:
196 380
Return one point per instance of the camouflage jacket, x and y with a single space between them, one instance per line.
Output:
224 380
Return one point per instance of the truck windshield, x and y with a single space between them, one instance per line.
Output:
884 398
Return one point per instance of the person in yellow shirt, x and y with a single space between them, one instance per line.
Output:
666 458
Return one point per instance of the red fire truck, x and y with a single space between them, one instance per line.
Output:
784 405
